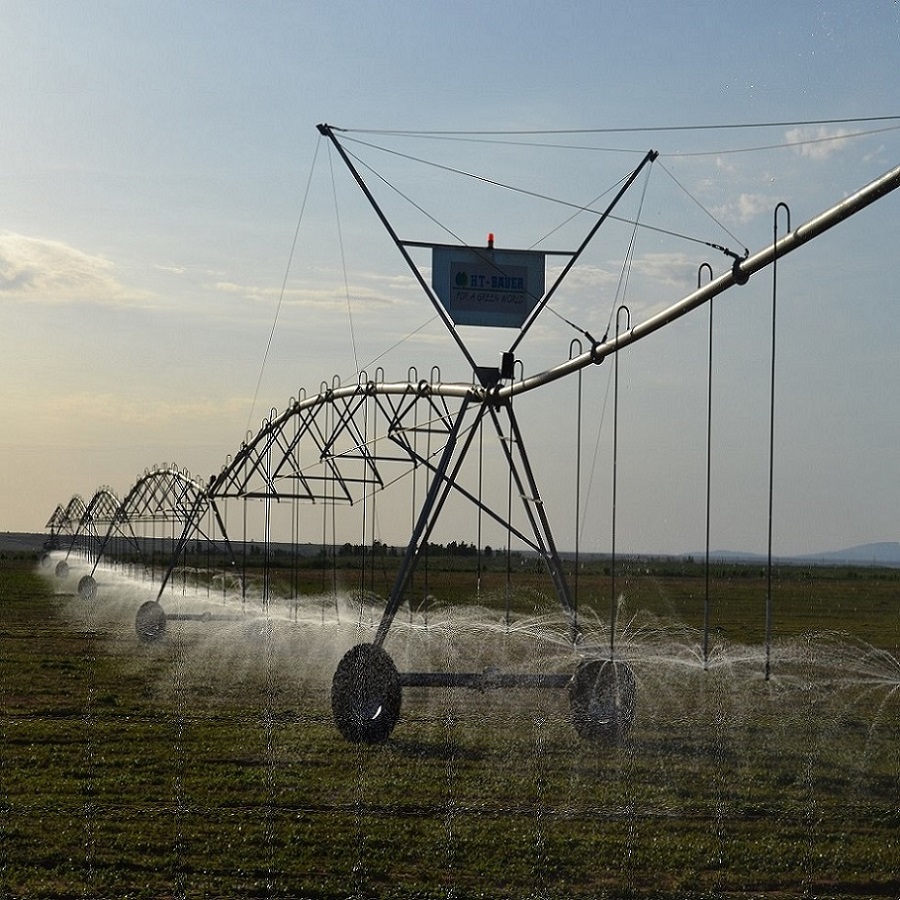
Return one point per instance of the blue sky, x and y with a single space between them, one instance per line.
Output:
155 157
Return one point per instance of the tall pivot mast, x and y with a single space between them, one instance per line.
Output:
484 286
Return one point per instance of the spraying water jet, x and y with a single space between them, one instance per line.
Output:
432 427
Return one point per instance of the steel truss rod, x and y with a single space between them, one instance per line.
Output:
532 542
191 527
437 494
122 516
739 273
120 519
334 445
101 509
537 514
444 481
160 495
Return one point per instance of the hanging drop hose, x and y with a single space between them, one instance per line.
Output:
785 207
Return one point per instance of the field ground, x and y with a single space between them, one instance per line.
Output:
207 765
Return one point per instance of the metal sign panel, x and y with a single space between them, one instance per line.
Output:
483 286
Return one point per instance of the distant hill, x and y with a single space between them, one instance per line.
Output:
880 553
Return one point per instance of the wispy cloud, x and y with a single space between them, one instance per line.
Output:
365 291
37 270
585 277
817 143
677 269
745 207
127 411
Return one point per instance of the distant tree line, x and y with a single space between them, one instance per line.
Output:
454 548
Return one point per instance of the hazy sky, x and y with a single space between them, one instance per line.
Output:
155 157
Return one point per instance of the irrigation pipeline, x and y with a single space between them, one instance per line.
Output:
737 275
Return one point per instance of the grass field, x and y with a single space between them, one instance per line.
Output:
208 766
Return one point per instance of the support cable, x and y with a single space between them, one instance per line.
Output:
579 208
627 264
620 291
536 311
587 207
691 197
415 474
365 508
337 216
479 504
402 340
600 424
462 172
786 145
709 393
643 129
582 148
787 210
295 557
613 601
328 132
426 588
578 424
406 197
287 270
334 579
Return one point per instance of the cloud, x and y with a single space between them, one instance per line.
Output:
817 143
746 207
367 291
726 166
585 277
677 269
37 270
659 268
126 411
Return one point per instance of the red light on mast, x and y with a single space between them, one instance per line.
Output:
490 240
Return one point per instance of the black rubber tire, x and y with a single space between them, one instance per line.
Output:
87 587
150 622
602 699
62 569
366 695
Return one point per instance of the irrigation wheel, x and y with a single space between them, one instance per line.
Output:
150 622
602 700
366 695
87 587
62 569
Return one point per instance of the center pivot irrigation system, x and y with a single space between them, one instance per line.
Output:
348 442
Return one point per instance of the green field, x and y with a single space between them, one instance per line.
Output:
208 766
